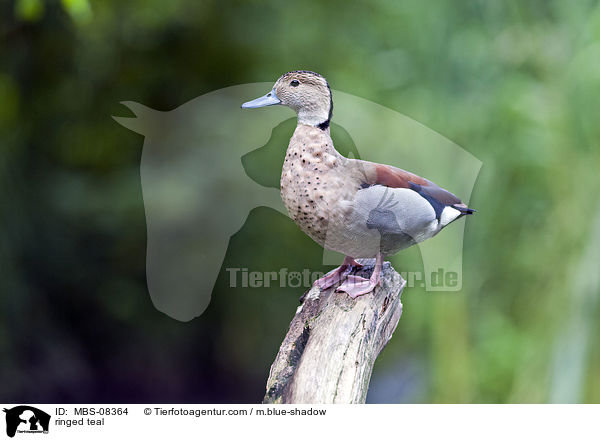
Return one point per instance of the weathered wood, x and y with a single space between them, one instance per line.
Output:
328 353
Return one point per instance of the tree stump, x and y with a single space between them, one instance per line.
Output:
328 353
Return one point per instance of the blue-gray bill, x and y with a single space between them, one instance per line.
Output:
264 101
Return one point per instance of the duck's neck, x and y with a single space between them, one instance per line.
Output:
314 118
308 137
317 114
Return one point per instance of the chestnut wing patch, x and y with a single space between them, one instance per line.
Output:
438 197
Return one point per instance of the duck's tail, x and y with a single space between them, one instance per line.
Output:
464 209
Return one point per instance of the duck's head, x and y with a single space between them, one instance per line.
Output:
305 92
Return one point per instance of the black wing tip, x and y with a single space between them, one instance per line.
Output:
464 210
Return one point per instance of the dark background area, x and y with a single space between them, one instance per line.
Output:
514 83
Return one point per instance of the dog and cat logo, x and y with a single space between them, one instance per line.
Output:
26 419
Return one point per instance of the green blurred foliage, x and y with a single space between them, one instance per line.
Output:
514 83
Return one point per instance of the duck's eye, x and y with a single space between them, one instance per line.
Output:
295 83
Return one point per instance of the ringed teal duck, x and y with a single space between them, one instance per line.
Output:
361 209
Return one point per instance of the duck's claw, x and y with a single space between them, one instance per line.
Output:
337 275
333 277
356 286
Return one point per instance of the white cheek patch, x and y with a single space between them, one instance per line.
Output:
449 214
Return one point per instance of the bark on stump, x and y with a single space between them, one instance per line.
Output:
328 353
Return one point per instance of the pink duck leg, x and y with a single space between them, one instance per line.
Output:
336 275
355 286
